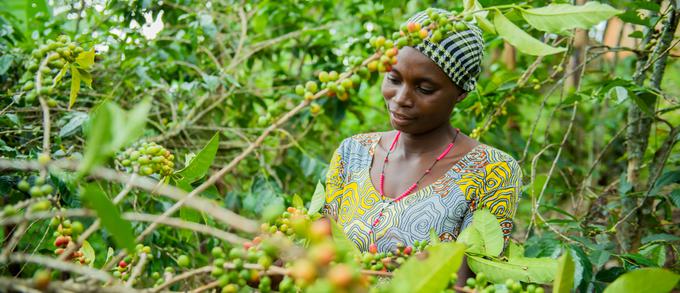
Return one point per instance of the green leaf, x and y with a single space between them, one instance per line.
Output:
200 164
648 280
343 243
297 202
485 24
128 125
532 270
557 18
26 12
5 63
86 77
75 86
74 124
120 229
583 270
88 252
667 178
564 279
318 199
85 59
484 235
442 260
524 42
514 250
660 238
675 197
98 135
111 129
60 75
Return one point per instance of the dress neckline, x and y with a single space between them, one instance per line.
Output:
446 175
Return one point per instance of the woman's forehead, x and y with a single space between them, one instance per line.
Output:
414 63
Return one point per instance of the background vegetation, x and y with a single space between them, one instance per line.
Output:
590 114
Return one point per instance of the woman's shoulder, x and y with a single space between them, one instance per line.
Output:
492 156
361 140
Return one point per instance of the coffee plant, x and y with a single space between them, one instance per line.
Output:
160 146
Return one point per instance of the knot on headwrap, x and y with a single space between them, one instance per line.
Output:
459 53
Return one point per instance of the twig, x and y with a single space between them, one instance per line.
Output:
138 217
180 277
45 108
145 183
206 287
58 265
244 34
137 269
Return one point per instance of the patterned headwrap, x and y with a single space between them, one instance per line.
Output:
458 54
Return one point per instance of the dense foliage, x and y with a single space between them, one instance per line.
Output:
183 145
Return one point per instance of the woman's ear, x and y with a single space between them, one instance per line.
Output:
461 97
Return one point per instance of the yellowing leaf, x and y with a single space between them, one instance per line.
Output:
75 86
524 42
557 18
85 59
60 75
86 77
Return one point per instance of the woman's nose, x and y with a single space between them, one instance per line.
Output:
402 97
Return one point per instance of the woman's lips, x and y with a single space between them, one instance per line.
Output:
400 118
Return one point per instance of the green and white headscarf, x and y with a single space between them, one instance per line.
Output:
459 54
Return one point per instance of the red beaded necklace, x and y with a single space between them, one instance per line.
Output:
411 188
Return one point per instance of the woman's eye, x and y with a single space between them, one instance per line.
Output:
425 91
392 79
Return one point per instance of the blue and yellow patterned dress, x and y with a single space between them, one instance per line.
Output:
485 177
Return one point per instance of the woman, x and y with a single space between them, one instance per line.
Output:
395 186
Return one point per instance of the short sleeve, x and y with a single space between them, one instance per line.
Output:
334 185
501 184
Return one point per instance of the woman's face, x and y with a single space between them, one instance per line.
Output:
418 94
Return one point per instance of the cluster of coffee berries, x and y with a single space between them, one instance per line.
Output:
233 277
327 268
385 261
65 235
38 189
124 268
481 284
292 222
59 54
148 158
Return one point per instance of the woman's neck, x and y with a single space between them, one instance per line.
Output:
435 140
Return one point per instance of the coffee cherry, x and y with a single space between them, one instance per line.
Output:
333 75
122 264
35 191
41 279
423 33
183 261
24 185
43 159
217 252
373 248
46 189
347 84
303 271
299 90
340 276
314 109
379 42
230 288
8 211
217 271
471 282
219 262
77 228
372 66
323 76
461 26
311 86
